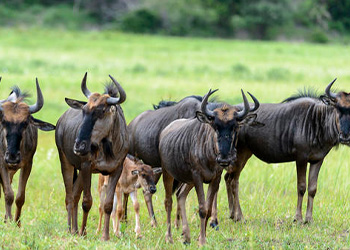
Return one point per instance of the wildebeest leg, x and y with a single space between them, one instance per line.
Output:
133 196
68 175
238 215
77 189
312 188
114 213
178 208
148 200
125 207
117 206
211 194
112 183
228 180
301 175
181 203
8 192
203 211
100 207
214 223
168 181
87 198
20 197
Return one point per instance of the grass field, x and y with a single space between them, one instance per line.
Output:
151 68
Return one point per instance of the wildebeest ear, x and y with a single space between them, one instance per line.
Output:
157 170
326 100
45 126
74 103
202 117
251 121
134 172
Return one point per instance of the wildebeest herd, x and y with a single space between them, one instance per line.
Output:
190 142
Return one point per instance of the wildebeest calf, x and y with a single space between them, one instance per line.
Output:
195 151
135 175
18 142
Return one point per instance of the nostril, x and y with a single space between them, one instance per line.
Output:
82 145
153 189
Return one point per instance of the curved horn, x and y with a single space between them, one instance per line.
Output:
328 90
39 102
256 103
204 108
84 89
246 109
122 94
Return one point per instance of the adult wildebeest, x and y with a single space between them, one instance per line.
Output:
303 129
135 175
92 137
195 151
145 129
18 141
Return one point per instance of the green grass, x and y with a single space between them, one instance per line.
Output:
151 68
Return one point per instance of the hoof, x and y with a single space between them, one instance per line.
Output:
187 243
82 233
169 239
298 220
308 220
105 238
154 224
214 225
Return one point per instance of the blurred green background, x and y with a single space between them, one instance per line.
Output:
307 20
59 43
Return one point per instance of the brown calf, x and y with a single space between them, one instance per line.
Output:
135 175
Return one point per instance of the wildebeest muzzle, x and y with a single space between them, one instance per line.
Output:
227 160
12 158
81 148
345 139
152 189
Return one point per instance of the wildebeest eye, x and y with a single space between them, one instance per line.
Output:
210 118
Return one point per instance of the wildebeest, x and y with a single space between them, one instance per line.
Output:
135 175
92 137
145 129
304 128
195 151
18 142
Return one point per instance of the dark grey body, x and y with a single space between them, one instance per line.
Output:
107 158
188 151
67 130
188 147
303 130
145 129
144 132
